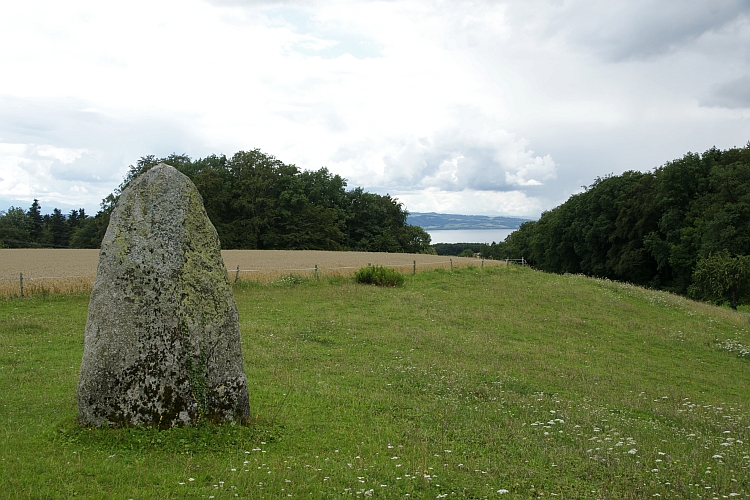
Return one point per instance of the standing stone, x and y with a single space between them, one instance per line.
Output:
162 345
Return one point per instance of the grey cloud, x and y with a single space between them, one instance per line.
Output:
339 38
616 30
263 3
734 94
75 123
343 43
461 166
454 160
638 29
252 3
73 155
321 113
39 121
86 168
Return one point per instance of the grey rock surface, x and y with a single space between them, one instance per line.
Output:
162 343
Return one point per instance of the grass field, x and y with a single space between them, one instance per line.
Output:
53 271
481 383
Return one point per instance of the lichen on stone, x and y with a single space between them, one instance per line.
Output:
162 341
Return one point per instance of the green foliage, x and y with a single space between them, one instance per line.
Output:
721 277
36 220
379 275
258 202
646 228
468 249
90 231
414 239
15 228
29 229
255 201
198 379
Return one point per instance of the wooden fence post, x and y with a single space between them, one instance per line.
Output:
20 283
414 269
237 275
451 265
316 271
482 262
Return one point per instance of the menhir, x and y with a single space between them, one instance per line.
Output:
162 344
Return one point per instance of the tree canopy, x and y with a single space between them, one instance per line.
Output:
649 228
255 201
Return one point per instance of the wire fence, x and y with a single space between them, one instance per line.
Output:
34 285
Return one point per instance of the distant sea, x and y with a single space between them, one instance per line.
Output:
468 235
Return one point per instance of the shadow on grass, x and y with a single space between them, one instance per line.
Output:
204 437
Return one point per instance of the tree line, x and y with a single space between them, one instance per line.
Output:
683 227
458 249
255 201
21 228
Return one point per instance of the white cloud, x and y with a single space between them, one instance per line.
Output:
48 173
512 103
508 203
63 155
457 158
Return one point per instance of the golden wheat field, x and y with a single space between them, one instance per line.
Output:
71 271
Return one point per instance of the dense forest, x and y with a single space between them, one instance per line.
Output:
255 202
683 227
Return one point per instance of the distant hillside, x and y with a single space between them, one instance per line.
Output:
432 221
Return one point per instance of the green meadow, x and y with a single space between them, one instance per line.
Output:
481 383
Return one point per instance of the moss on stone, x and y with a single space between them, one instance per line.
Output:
162 339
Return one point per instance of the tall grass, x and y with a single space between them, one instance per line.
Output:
473 384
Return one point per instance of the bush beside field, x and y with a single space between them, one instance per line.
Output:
378 275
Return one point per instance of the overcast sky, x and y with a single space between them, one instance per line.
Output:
475 107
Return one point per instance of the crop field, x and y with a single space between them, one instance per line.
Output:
53 271
502 382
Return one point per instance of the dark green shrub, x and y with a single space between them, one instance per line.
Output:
379 275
